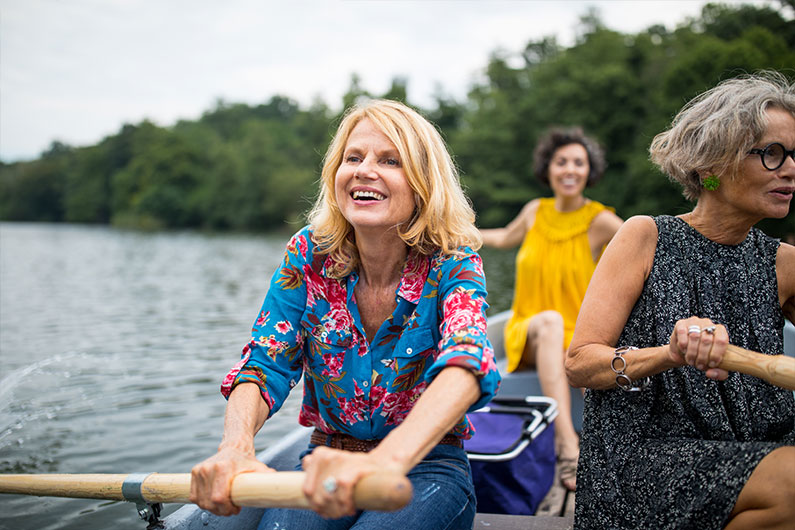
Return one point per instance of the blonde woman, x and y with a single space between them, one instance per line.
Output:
380 304
669 439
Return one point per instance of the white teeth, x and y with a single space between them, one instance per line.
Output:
367 195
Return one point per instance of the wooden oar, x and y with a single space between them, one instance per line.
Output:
380 491
778 370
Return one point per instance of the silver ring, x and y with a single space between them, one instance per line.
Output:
709 329
330 484
694 329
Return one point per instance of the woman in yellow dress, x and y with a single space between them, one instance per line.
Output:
561 240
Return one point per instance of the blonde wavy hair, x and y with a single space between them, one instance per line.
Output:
713 132
443 218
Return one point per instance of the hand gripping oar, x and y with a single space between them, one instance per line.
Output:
381 491
778 370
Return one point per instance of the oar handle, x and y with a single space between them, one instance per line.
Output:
778 370
381 491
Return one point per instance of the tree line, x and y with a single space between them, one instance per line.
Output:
255 168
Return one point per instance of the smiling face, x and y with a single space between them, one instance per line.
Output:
568 170
370 186
759 193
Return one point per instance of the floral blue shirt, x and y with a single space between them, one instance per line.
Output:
310 324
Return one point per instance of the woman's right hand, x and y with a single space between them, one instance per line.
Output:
702 348
211 480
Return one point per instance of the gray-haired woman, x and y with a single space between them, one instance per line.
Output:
669 439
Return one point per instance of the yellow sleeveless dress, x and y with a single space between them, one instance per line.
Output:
553 268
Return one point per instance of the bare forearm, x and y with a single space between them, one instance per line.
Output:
439 408
504 238
493 237
589 366
246 413
211 480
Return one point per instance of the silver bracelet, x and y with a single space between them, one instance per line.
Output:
622 380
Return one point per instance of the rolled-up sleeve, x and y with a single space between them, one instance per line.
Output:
272 359
462 292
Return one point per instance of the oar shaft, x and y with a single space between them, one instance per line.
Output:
778 370
379 491
88 486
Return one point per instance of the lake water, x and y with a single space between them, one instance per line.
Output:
112 347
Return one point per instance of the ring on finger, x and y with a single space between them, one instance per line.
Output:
330 484
693 329
709 329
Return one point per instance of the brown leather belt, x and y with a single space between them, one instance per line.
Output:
347 442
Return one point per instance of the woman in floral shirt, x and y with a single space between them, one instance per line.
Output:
380 304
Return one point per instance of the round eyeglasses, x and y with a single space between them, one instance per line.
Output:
773 155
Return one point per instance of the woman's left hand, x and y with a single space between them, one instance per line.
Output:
331 475
701 343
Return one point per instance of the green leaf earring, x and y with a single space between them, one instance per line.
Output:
711 183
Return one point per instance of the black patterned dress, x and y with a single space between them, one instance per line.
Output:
677 454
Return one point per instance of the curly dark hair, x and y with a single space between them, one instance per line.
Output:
557 138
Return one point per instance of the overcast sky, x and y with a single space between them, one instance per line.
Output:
77 70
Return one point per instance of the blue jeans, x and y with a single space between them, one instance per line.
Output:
444 499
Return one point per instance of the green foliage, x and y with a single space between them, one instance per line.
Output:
34 191
159 184
622 89
243 167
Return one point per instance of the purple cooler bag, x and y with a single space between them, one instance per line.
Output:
512 454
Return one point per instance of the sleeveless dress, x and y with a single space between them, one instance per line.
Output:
553 268
677 454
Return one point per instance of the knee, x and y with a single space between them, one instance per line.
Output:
785 479
780 483
781 512
766 499
548 322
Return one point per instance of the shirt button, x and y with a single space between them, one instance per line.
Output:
365 384
409 351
